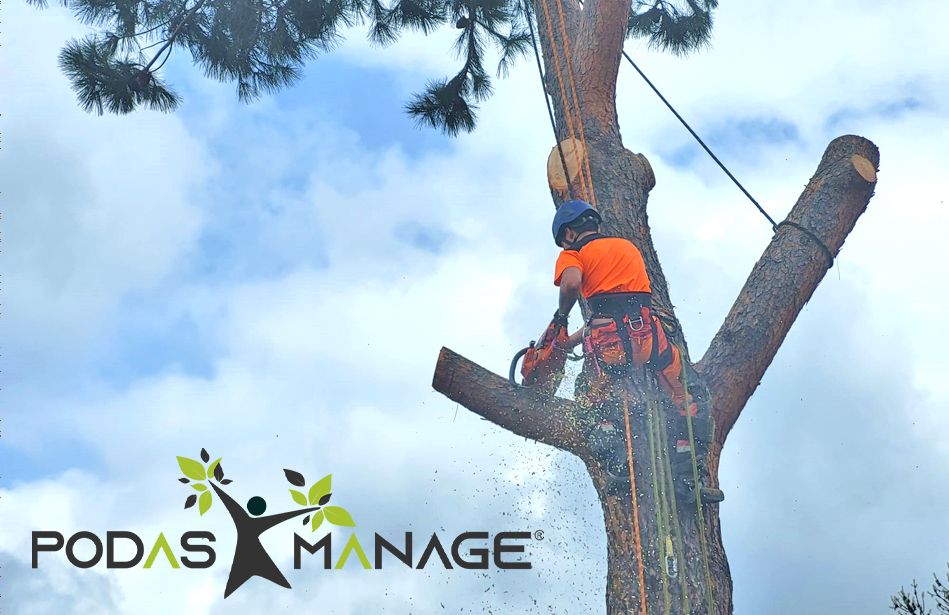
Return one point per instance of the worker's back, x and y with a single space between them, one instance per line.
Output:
607 265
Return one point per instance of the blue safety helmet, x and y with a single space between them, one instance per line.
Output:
570 212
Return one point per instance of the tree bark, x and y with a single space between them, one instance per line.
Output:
786 275
779 285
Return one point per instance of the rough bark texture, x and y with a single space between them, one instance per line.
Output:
780 284
522 411
786 275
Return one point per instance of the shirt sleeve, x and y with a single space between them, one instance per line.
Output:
567 259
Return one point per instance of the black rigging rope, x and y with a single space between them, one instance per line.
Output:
828 254
708 150
774 225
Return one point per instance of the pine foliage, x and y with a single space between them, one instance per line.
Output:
262 45
675 27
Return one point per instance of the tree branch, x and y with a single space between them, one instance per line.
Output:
522 411
786 275
174 34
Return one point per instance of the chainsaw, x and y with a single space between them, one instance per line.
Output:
544 360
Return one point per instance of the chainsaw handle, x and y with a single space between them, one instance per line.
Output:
514 361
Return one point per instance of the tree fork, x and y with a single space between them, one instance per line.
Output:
780 284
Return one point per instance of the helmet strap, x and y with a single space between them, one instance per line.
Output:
583 239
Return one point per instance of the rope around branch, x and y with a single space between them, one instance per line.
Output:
828 254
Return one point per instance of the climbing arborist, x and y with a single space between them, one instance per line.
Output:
622 331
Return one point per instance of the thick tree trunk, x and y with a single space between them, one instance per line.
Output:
780 284
561 423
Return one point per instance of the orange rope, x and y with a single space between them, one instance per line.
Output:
564 100
632 492
576 100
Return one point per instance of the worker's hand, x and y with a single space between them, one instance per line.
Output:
559 319
575 338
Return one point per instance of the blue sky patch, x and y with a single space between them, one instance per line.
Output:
146 342
732 139
367 100
849 119
425 238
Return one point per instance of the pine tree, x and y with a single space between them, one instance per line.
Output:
262 45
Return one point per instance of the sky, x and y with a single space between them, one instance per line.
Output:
273 282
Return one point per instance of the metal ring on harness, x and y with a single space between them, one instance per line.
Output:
514 361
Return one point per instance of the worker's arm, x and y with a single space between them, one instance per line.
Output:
569 289
575 338
569 293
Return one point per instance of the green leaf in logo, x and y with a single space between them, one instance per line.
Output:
204 502
317 520
199 487
298 497
338 516
321 488
213 468
191 468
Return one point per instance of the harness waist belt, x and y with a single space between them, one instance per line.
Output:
611 304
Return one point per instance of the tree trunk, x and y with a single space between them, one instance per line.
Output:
780 284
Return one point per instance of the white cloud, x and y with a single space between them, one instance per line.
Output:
324 364
96 208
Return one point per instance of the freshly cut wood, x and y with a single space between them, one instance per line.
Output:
864 167
573 153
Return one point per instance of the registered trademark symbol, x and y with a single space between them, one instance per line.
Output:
539 535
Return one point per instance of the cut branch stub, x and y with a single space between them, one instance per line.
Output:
521 410
786 276
557 176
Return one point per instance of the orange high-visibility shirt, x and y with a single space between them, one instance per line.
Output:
607 265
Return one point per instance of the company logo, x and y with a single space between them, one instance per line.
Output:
250 557
314 505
